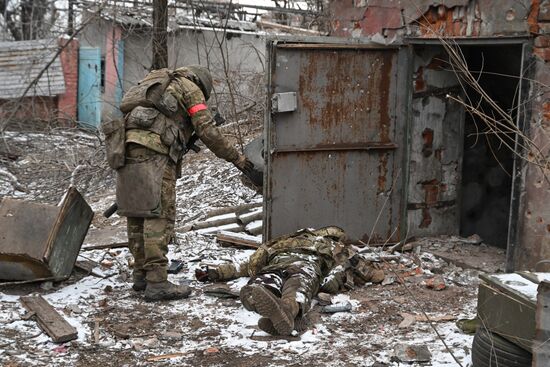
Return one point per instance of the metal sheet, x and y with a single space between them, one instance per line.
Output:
24 228
40 240
335 160
20 64
68 233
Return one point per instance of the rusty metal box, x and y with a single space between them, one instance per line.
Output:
41 240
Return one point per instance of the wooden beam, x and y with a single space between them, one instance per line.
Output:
227 239
102 247
49 319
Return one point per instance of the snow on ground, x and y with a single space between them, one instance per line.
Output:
116 327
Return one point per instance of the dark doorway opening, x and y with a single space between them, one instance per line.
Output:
487 161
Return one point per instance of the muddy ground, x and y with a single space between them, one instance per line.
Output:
116 327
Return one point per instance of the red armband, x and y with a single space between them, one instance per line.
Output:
196 108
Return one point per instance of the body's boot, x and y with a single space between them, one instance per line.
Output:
158 291
301 324
246 297
280 311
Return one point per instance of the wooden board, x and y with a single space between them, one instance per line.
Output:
49 319
240 240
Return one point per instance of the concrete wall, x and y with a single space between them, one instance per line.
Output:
390 20
534 221
185 46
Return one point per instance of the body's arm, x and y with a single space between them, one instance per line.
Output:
335 280
224 272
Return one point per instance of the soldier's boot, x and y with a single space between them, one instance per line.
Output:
246 297
281 312
158 291
140 283
265 324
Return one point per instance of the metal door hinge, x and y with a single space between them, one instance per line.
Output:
284 102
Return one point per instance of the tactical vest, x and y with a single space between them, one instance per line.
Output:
147 106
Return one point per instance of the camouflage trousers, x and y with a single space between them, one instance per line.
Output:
298 280
148 238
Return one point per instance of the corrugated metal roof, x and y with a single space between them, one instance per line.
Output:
20 64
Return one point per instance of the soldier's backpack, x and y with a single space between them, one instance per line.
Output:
149 92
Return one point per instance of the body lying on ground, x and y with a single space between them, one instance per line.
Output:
286 273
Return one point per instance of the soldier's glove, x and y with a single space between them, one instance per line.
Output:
206 273
247 168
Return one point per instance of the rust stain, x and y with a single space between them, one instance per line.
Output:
426 218
419 82
532 18
438 154
382 173
385 80
546 110
428 141
432 189
346 107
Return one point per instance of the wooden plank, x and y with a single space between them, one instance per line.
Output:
232 209
249 217
102 247
217 221
239 240
49 319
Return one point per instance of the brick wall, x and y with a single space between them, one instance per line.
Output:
67 103
30 109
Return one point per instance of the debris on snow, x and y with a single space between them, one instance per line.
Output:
412 353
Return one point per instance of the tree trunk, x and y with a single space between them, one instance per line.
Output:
160 34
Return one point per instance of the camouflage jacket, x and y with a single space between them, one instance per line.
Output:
339 264
188 94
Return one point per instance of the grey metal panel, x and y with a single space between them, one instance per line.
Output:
41 240
68 233
20 64
334 161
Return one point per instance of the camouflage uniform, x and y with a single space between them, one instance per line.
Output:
148 237
294 268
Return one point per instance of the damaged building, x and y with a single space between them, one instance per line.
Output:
416 118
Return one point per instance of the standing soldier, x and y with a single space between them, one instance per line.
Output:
286 273
162 112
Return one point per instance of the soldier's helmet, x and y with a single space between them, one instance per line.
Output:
331 231
204 79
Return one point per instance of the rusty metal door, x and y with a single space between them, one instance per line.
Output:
335 136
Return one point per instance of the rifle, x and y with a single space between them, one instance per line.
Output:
190 145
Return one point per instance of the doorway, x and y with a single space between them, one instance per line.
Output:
488 161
